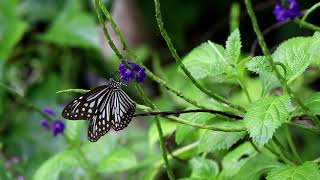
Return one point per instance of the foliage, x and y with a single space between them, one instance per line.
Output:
216 113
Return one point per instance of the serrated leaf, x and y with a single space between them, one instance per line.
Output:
217 140
185 131
269 82
233 47
167 128
118 160
203 168
206 60
314 48
294 54
307 171
259 64
73 27
256 166
313 103
235 159
52 168
264 116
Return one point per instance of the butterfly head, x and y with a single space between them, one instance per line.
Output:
116 84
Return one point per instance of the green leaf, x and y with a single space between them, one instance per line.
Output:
203 168
256 166
307 171
233 47
11 27
259 64
73 27
4 174
52 168
235 159
167 128
264 116
185 131
217 140
206 60
294 54
269 82
73 129
313 103
314 48
118 160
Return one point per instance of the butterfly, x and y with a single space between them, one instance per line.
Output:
106 107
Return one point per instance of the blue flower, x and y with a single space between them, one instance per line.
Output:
45 123
57 127
290 11
134 70
49 111
140 75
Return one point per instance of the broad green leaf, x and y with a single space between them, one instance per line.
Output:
167 128
307 171
73 129
314 48
217 140
206 60
313 103
11 27
256 166
235 159
233 47
73 27
203 168
185 131
264 116
294 54
269 82
259 64
51 169
118 160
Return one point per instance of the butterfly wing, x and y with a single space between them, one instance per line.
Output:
123 108
84 106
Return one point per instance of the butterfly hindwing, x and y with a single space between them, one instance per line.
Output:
123 110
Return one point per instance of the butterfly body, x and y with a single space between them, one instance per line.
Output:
106 107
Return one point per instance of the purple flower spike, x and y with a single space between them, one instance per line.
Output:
45 123
140 75
49 111
57 127
290 11
134 70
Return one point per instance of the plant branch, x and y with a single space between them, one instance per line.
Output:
267 53
291 145
166 113
309 11
184 69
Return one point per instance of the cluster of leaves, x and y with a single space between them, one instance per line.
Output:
258 148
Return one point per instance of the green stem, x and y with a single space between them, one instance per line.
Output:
86 165
267 53
161 137
245 89
300 126
276 151
307 25
310 10
184 69
291 145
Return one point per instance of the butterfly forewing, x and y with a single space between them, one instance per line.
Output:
105 107
84 106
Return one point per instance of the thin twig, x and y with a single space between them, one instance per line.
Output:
166 113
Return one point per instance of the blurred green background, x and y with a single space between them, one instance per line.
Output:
51 45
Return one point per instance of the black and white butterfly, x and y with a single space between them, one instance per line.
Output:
106 107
